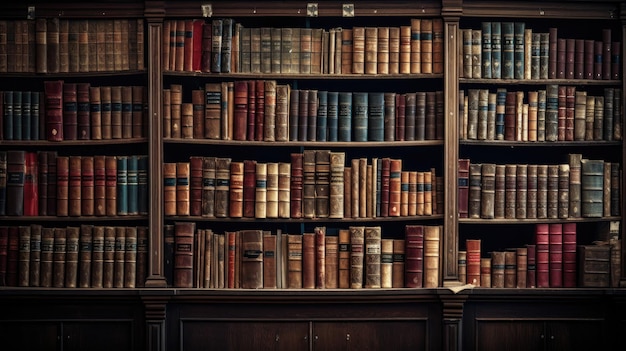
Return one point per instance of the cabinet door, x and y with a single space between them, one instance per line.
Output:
509 335
241 336
24 336
577 335
98 335
379 335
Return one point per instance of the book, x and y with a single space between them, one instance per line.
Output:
591 195
497 269
130 257
322 183
87 186
252 259
235 194
119 256
15 182
474 201
319 235
463 170
569 255
46 256
308 183
414 256
34 271
296 188
53 99
473 253
260 199
594 269
58 259
294 261
31 186
510 269
372 257
488 191
343 258
556 255
270 261
485 272
331 262
431 256
23 258
386 263
357 247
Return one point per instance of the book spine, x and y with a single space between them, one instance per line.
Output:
473 261
183 254
372 257
122 185
357 247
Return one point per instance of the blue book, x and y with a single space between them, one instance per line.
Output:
344 125
332 115
552 112
486 49
132 182
518 56
142 184
376 122
26 119
294 108
8 115
34 115
360 115
500 108
508 50
496 50
322 116
122 185
17 115
390 116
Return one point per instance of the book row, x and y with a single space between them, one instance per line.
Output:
557 113
553 260
352 258
579 188
262 110
73 111
57 45
43 183
222 45
315 184
511 50
86 256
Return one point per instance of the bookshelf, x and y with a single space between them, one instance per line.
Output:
220 142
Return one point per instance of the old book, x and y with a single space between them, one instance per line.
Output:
344 258
53 99
108 267
414 253
531 265
142 256
252 259
71 256
510 184
130 257
296 188
119 258
34 266
308 184
553 191
118 99
474 203
510 269
212 110
106 112
521 256
580 113
386 263
508 50
58 258
551 120
556 255
336 185
542 191
497 269
496 50
463 188
357 246
592 175
235 194
169 188
318 258
570 110
521 191
382 50
74 186
272 190
462 265
485 272
294 261
62 185
87 186
53 54
344 117
322 182
270 260
183 254
595 263
476 53
269 113
46 258
182 189
372 257
473 252
256 189
122 185
395 170
531 195
195 185
176 101
569 255
358 50
31 186
488 190
23 258
371 50
15 182
432 237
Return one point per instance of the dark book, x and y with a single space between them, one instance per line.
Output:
70 112
141 256
552 112
222 186
195 185
62 185
322 182
389 116
106 111
518 49
249 186
312 106
15 182
521 256
531 193
521 191
376 117
500 192
122 185
4 247
372 257
510 269
252 259
508 50
510 188
240 117
46 257
308 183
226 50
569 255
208 187
183 254
486 49
474 203
410 106
488 190
500 113
72 241
414 256
87 186
344 126
58 258
463 187
542 243
357 252
496 50
85 253
531 266
31 186
130 257
53 99
75 186
309 263
595 266
497 269
23 258
83 111
251 110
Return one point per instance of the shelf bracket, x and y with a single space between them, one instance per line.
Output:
347 10
312 9
30 13
207 10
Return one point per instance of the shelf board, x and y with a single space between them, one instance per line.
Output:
511 143
65 75
46 143
290 76
491 81
344 144
81 219
305 220
514 221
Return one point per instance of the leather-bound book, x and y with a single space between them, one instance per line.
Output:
259 106
240 121
176 101
130 257
23 258
370 50
122 185
616 58
384 189
212 111
475 191
142 256
34 268
53 45
347 48
97 257
137 114
382 50
106 111
410 106
63 176
563 191
95 113
463 188
83 116
531 266
249 187
358 50
282 130
497 269
322 183
235 200
58 259
344 258
252 259
542 191
71 256
395 171
74 186
118 115
510 268
336 184
85 244
386 263
556 255
269 102
488 190
614 192
270 261
531 195
260 190
272 190
41 47
169 188
400 116
372 257
472 247
70 112
309 263
521 264
510 184
580 113
186 121
182 189
183 254
222 186
414 253
331 261
53 99
86 185
296 190
195 185
308 183
357 246
592 176
569 255
432 238
595 266
415 46
521 191
46 257
284 192
29 186
119 252
208 186
12 256
394 50
398 266
294 261
251 110
389 116
485 272
344 119
347 191
553 191
142 184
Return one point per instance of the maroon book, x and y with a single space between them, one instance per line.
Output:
83 111
509 115
13 248
249 188
260 109
42 181
87 186
295 196
570 55
53 98
561 112
195 186
589 59
4 246
531 272
598 61
70 112
542 254
556 255
472 248
606 53
569 255
400 116
251 116
240 114
561 58
414 256
183 254
384 187
463 188
579 59
31 187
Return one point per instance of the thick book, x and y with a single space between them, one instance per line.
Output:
108 266
183 254
169 188
74 185
251 259
336 185
372 257
488 190
485 272
308 183
23 258
53 102
357 246
432 238
591 195
122 185
473 252
322 183
87 186
15 178
463 188
34 271
270 260
510 268
71 256
58 258
260 190
475 192
594 266
297 178
182 188
497 269
386 263
31 186
414 256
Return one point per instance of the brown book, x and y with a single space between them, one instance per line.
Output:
130 257
426 45
222 186
521 191
58 259
87 185
382 50
386 263
372 257
510 184
176 101
270 261
167 113
473 252
235 200
23 259
284 192
347 192
74 186
119 101
474 203
358 50
183 254
395 170
167 37
169 188
34 246
510 269
97 256
186 121
294 261
182 189
594 266
394 50
414 253
119 258
497 269
357 245
344 258
553 191
53 101
63 44
355 191
432 238
195 185
398 265
142 256
347 50
85 255
71 256
62 185
309 263
137 114
212 111
252 259
336 184
370 50
106 111
208 186
331 261
108 266
485 272
46 258
272 190
296 195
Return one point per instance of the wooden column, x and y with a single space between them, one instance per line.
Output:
452 317
155 312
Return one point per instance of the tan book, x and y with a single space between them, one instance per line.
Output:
270 260
294 261
260 200
117 106
371 50
485 272
462 266
182 189
347 51
271 207
106 113
235 196
331 262
416 46
397 273
186 120
382 50
386 263
405 50
426 45
357 247
372 257
358 50
130 257
176 100
432 238
320 257
336 198
394 50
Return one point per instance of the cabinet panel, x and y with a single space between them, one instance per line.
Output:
98 335
577 335
262 335
368 335
18 336
509 335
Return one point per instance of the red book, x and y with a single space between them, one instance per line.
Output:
400 116
195 186
31 187
395 191
188 49
295 196
249 187
99 182
83 111
589 59
531 273
74 183
509 115
231 240
207 35
556 255
183 254
260 110
70 112
53 99
542 254
251 116
198 30
384 192
87 186
414 256
569 255
63 178
472 248
463 188
240 115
